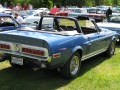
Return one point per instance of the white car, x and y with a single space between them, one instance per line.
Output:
76 12
34 18
5 10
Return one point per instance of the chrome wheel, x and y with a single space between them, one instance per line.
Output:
74 65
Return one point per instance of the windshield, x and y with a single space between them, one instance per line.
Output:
58 23
31 12
21 12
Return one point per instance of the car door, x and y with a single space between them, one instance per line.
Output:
95 38
103 40
92 45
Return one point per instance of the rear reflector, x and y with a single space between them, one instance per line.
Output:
56 55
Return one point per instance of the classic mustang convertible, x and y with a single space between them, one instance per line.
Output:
60 42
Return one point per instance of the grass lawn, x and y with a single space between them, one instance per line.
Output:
98 73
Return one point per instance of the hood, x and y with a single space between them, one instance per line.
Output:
109 25
73 13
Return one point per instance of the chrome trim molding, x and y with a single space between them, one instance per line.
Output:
26 55
85 57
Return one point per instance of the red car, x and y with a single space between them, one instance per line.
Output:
97 17
59 12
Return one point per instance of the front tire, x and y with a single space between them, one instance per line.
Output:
72 66
111 49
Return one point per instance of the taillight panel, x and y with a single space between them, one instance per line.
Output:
25 49
5 46
34 50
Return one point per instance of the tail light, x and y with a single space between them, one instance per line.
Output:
33 51
4 46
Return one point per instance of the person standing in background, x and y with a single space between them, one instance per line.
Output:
18 18
41 14
25 6
30 7
17 6
108 13
20 7
11 5
5 5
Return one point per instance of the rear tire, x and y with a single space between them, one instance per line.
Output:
72 66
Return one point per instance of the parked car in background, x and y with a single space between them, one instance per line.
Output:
31 12
7 22
34 18
113 24
76 12
45 10
115 12
5 10
22 13
53 11
60 42
59 11
98 14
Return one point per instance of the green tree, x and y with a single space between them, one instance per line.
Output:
36 3
108 2
51 3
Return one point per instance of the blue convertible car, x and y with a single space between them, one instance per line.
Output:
60 42
7 22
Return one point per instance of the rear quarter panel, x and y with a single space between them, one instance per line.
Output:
66 47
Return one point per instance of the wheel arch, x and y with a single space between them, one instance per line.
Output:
78 49
36 22
65 70
113 38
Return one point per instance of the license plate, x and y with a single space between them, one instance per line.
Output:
17 60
